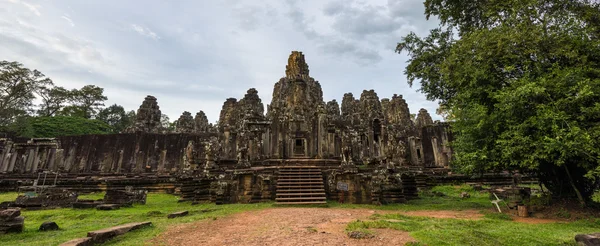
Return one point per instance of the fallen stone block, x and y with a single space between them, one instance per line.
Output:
86 204
178 214
86 241
103 235
9 214
14 225
464 195
48 226
588 239
108 207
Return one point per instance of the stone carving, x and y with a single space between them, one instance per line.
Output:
147 118
423 119
201 123
185 123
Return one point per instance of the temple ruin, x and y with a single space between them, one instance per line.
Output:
301 149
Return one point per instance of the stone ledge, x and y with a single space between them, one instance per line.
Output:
86 241
104 235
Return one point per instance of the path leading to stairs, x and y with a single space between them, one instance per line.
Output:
292 226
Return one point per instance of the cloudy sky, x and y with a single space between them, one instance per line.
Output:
192 55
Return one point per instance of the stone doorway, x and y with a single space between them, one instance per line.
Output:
299 147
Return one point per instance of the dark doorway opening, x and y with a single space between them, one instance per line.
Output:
376 130
299 149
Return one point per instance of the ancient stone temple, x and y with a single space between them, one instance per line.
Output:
301 149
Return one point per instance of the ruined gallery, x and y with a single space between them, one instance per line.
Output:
301 150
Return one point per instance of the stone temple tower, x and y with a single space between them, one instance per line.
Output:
293 111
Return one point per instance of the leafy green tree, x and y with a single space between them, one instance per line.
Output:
17 87
53 100
56 126
85 102
521 79
116 117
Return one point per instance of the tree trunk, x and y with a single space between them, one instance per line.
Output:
581 201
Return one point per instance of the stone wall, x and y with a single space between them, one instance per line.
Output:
113 153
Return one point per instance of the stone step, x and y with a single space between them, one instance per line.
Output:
299 198
300 187
299 179
299 182
301 203
283 191
301 194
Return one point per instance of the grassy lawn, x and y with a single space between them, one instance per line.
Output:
75 223
493 229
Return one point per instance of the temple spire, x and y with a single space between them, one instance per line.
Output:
296 65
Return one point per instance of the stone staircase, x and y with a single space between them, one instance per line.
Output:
300 185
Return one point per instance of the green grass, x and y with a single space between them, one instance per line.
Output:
487 231
92 196
493 229
75 223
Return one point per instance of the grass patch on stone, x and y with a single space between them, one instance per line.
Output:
487 231
75 223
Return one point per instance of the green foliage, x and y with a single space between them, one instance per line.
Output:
490 230
45 127
521 80
75 223
53 100
17 87
85 102
116 117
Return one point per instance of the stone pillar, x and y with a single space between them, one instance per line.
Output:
30 153
161 162
5 157
120 162
11 163
36 159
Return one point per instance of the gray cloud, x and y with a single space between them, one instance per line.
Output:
193 55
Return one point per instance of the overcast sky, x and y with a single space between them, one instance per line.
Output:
192 55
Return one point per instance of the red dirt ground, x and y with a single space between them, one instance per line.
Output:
292 226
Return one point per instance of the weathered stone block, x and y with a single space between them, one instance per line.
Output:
14 225
104 235
178 214
108 207
86 241
588 239
9 214
48 226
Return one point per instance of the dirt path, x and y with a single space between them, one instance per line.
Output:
292 226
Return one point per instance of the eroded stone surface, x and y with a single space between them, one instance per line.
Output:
588 239
48 226
178 214
104 235
147 117
86 241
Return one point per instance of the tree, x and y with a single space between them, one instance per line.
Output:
17 87
521 78
116 117
85 102
53 100
47 127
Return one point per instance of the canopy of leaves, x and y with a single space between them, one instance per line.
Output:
17 87
521 79
45 127
116 117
